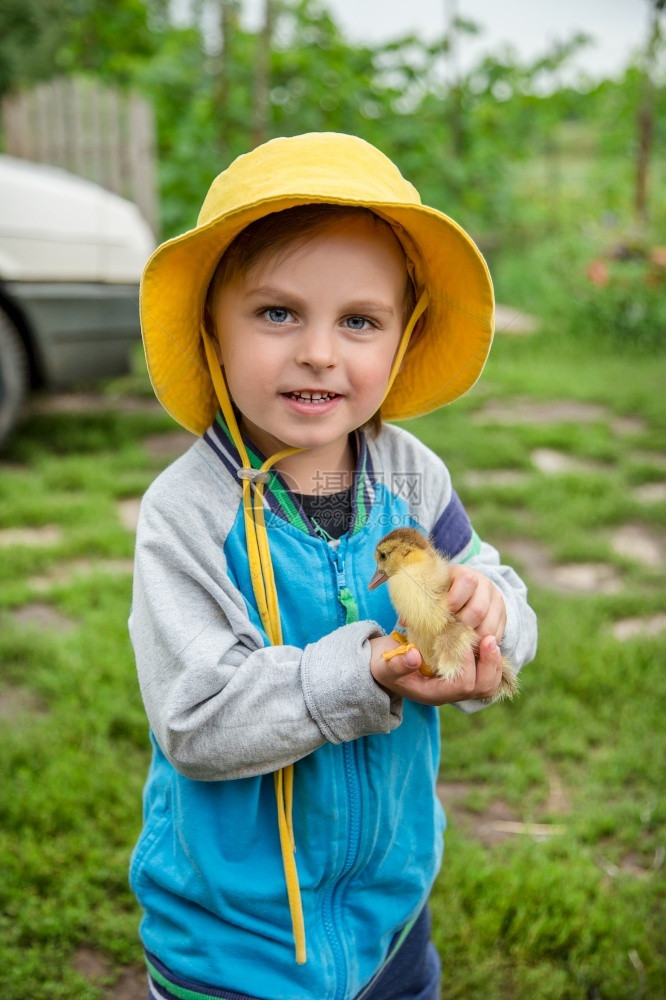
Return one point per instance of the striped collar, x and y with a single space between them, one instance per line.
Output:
277 496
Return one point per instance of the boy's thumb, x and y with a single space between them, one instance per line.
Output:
412 658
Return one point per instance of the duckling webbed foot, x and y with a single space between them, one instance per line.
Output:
404 646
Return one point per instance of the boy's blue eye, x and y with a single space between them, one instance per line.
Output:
277 314
357 322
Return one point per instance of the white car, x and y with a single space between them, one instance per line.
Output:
71 257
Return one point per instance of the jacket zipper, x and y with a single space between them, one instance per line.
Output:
333 902
345 596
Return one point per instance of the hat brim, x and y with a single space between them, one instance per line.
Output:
443 363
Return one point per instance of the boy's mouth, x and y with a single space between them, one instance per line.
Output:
304 396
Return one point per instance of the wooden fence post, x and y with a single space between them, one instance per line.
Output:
101 133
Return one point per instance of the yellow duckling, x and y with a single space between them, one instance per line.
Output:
419 579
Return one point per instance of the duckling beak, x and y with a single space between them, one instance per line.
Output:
377 579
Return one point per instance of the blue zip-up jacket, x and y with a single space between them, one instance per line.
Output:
226 710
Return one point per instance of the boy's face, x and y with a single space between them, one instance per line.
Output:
307 337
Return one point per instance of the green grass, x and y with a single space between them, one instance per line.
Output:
546 919
581 914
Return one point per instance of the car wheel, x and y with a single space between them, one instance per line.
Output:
14 375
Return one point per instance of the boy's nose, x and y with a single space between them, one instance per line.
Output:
317 349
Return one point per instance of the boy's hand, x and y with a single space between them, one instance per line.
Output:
400 675
477 602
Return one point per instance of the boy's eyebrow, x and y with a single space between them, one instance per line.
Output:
271 292
370 305
355 305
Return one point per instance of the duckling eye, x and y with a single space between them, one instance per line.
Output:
382 555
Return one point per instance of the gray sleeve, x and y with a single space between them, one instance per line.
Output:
220 703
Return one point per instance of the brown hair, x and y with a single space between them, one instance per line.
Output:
279 233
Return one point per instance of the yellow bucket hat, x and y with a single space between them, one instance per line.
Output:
324 167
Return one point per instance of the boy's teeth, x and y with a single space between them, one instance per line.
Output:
313 397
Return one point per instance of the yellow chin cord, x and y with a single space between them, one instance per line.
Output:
263 584
417 312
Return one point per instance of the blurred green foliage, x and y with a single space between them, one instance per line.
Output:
458 140
541 171
622 302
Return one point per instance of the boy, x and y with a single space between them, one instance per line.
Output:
315 296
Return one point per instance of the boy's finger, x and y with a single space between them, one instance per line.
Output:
493 624
489 668
463 587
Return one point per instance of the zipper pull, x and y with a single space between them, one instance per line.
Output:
345 595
